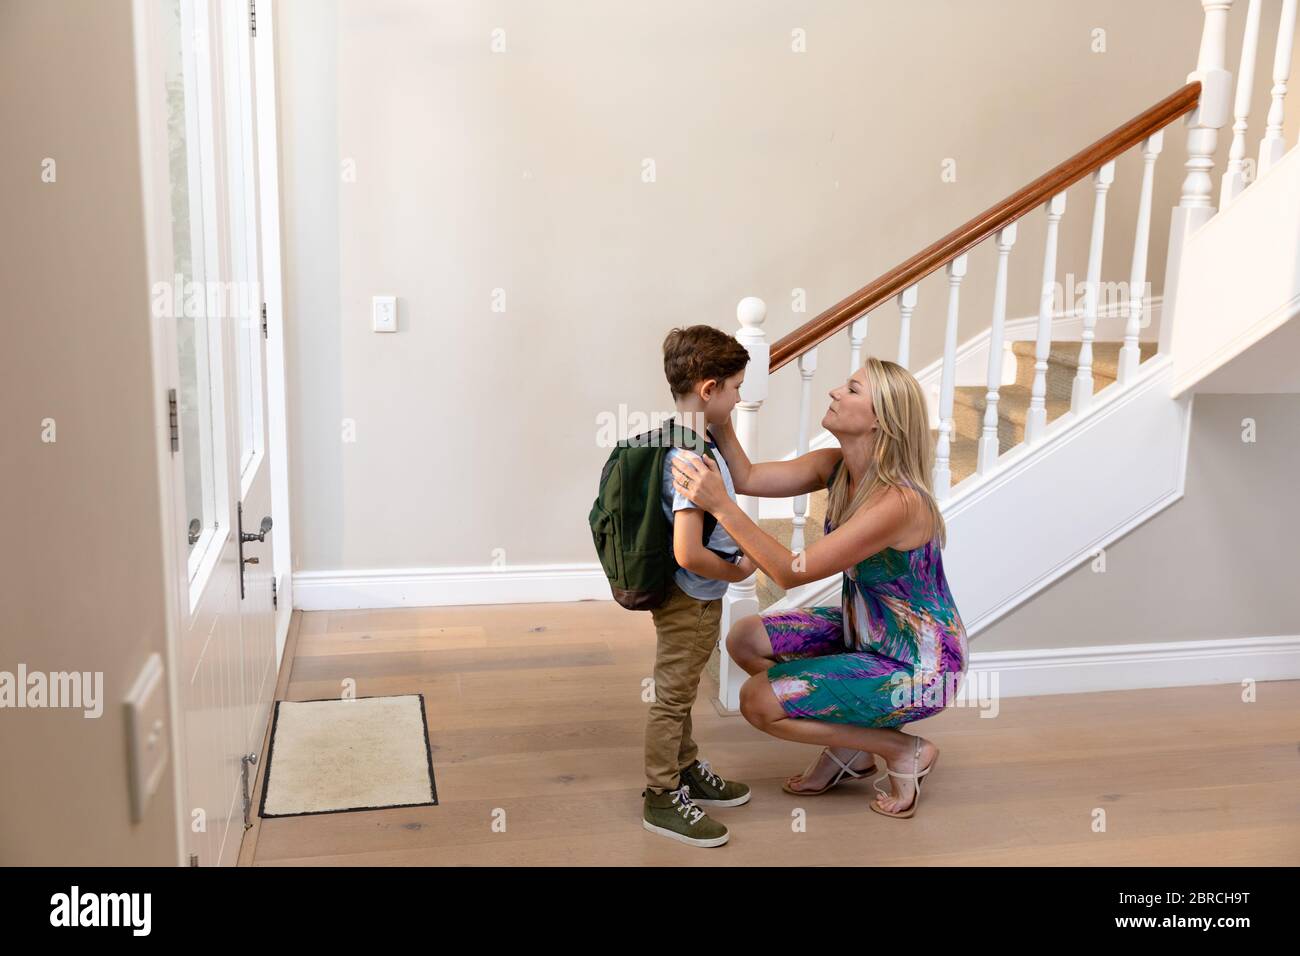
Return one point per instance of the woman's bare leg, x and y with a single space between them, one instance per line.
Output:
760 707
750 647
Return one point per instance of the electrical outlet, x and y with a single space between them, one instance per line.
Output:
383 311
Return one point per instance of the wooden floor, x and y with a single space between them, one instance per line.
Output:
536 710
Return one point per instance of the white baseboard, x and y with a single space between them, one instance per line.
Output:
1075 670
283 618
439 587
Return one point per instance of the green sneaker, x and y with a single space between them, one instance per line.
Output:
673 814
710 790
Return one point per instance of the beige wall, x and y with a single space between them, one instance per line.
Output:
521 170
82 571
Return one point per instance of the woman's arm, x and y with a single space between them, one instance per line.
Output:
870 529
774 479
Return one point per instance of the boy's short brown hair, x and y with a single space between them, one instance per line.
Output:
699 352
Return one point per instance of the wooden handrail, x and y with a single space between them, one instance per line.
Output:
970 234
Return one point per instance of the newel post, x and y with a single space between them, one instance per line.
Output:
741 598
1195 208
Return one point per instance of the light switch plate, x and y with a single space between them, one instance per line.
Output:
146 734
383 311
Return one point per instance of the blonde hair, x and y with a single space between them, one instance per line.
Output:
902 456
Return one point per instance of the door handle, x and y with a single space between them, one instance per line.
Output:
247 536
244 538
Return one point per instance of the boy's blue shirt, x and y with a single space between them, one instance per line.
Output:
698 586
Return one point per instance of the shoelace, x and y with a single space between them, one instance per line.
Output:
709 776
688 810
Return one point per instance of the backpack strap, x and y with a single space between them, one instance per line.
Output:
677 435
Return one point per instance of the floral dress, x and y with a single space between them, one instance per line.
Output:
894 651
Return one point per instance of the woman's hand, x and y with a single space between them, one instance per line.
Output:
700 481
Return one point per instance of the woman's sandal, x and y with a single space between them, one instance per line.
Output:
863 774
916 781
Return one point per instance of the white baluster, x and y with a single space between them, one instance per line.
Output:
857 333
807 366
1036 420
1234 177
1082 393
741 598
942 471
988 448
1203 125
1130 354
906 305
1272 147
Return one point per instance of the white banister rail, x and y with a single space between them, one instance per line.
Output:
942 480
1082 393
1036 418
857 333
906 306
742 597
1194 208
1271 147
1234 176
807 368
1129 354
988 447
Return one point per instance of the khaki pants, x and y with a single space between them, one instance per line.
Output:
687 631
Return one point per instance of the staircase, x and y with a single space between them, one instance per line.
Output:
969 404
1069 404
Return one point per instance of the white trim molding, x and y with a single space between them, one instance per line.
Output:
440 587
1238 280
1077 670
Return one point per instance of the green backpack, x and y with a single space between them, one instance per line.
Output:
633 536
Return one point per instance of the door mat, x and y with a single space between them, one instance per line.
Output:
341 755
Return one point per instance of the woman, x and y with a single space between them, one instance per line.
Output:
847 677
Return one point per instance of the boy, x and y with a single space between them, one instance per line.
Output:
704 367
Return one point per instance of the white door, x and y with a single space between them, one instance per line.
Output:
253 525
211 322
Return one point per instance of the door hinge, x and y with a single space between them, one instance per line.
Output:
173 421
275 596
252 17
263 320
